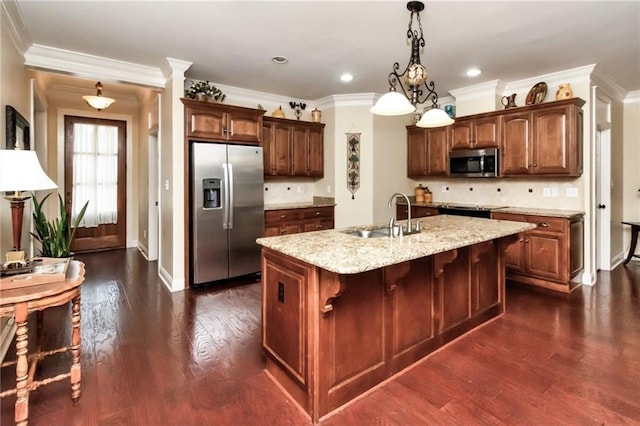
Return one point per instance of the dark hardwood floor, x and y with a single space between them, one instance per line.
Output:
194 358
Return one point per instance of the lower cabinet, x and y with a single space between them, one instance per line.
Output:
549 256
293 221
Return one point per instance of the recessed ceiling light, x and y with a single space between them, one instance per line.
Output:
473 72
280 59
346 77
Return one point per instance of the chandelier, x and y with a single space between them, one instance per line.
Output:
98 101
412 82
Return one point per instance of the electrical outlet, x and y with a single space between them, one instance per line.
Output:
166 185
546 192
298 189
554 192
444 189
328 189
572 192
144 233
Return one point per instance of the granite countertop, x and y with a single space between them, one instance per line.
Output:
317 202
336 251
568 214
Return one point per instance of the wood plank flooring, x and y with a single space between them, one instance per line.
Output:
194 358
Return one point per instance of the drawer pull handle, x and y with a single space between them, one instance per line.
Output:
282 216
544 225
317 213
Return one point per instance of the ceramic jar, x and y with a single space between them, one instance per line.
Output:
564 92
278 113
316 115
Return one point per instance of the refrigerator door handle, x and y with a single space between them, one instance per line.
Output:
225 209
230 205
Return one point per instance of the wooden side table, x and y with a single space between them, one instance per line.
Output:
635 227
18 303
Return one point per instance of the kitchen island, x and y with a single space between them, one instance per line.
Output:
342 313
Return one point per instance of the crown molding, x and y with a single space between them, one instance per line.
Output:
18 32
92 67
606 83
172 66
354 99
632 97
573 75
489 88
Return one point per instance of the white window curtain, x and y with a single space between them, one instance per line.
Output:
95 173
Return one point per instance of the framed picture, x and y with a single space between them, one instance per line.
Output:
17 130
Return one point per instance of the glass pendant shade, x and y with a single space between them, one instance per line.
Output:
435 117
393 103
98 102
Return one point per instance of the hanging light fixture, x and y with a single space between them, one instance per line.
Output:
98 101
413 82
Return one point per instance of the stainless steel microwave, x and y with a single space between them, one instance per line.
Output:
474 163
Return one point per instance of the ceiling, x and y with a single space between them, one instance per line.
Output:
232 42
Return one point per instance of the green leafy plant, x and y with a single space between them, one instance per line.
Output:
56 235
205 88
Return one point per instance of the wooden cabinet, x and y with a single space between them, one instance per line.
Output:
546 140
549 256
427 151
416 211
293 148
479 132
293 221
220 122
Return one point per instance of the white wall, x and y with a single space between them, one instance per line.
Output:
631 171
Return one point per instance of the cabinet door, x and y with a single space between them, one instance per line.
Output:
545 255
281 155
552 143
299 150
267 149
417 163
515 255
485 132
243 127
437 151
315 152
402 212
515 144
207 124
461 137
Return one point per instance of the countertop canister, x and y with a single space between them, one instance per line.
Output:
316 115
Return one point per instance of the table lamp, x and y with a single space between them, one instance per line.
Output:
20 171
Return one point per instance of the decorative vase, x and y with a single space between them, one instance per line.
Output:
564 92
316 115
278 113
201 97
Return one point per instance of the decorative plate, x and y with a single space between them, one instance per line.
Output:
536 94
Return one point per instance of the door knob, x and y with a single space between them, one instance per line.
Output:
602 206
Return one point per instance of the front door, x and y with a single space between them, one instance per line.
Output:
95 171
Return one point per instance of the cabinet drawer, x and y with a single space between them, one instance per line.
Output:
278 216
319 212
509 216
548 224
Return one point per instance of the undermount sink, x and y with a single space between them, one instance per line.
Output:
370 233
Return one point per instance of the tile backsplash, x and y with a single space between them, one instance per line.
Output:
540 193
288 192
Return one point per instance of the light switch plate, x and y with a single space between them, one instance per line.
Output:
572 192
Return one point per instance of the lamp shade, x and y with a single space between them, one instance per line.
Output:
393 103
98 102
21 171
435 117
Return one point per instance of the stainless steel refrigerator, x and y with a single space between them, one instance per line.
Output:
227 210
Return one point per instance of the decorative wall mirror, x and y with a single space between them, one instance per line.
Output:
17 130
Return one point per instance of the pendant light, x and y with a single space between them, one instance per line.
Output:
98 101
412 82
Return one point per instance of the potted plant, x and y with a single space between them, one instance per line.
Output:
56 235
204 91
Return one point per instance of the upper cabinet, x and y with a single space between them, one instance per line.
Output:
427 151
480 132
293 148
546 140
535 140
220 122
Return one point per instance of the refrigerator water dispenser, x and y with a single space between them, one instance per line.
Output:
211 193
